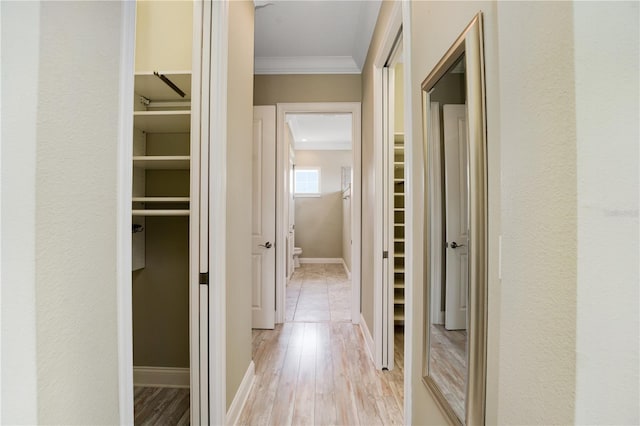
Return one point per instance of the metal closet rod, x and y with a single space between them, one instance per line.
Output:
169 83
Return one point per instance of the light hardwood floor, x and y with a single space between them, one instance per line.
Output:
315 369
448 364
161 406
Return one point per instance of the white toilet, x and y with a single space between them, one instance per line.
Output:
297 251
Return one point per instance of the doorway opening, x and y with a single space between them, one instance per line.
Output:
318 252
318 198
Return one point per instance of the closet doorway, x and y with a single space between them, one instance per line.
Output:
318 145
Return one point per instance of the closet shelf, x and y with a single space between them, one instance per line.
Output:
398 316
161 212
398 300
151 87
160 199
162 162
162 121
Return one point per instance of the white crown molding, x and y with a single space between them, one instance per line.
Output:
306 65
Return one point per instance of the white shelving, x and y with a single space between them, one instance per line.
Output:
160 111
161 162
398 229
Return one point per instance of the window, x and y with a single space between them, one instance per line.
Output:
307 182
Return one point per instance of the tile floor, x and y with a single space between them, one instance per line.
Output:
319 292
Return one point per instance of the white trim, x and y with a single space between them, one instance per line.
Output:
123 221
161 377
415 268
198 389
321 260
218 213
367 338
306 65
282 109
382 313
235 409
346 269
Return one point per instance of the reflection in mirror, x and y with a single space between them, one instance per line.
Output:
455 292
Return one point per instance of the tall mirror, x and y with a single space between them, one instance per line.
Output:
454 356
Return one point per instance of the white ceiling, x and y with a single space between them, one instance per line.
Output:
313 36
315 131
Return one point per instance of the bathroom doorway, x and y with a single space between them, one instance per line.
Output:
319 234
318 212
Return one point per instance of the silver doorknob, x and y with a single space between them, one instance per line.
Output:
266 245
456 245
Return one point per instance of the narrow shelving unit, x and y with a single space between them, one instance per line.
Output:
161 134
398 230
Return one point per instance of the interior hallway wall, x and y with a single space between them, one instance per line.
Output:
239 178
319 230
67 245
273 89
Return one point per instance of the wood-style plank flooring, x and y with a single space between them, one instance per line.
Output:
161 406
315 369
448 364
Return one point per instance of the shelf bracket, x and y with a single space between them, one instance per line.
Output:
169 83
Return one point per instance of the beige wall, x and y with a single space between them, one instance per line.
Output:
239 140
76 210
398 101
368 166
164 35
319 219
273 89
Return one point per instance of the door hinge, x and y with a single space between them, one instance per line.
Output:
204 278
385 254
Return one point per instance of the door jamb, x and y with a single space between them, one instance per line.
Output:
217 300
356 196
123 220
383 349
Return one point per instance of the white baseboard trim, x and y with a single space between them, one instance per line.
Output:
367 337
344 264
321 260
235 409
161 377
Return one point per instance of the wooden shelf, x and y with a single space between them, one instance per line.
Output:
162 121
160 212
160 199
398 240
397 316
162 162
151 87
398 300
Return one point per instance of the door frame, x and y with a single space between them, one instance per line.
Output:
217 213
400 20
282 109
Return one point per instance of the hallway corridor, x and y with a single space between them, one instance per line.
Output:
314 369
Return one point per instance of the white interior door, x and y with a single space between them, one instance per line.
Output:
456 189
291 238
263 259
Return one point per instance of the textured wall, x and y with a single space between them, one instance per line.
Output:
606 84
538 170
76 209
272 89
239 140
319 219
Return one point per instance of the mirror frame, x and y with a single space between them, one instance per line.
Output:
470 43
